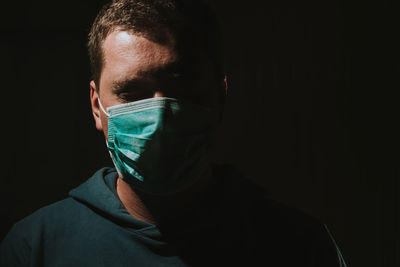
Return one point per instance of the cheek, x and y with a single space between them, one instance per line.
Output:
104 124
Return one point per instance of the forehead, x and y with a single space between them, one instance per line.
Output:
128 54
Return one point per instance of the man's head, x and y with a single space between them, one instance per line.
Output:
148 48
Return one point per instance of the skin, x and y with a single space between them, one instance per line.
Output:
136 68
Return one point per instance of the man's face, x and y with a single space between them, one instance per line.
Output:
136 68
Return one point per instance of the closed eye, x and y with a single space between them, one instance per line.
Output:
133 90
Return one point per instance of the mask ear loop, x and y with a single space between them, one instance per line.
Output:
101 107
112 158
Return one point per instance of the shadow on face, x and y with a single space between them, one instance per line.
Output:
136 68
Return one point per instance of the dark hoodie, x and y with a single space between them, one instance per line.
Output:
242 227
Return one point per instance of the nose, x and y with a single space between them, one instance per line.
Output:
158 94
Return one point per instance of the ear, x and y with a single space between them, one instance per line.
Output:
94 101
223 93
225 85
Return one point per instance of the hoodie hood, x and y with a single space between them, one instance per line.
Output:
99 194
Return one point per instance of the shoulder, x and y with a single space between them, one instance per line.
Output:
255 202
51 215
292 235
288 235
28 235
283 216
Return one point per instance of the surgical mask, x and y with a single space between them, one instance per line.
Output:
160 145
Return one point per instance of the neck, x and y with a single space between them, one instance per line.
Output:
158 210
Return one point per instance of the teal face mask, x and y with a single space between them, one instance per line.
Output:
160 145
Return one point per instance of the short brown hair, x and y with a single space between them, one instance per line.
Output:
154 19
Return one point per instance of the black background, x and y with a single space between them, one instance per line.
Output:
312 112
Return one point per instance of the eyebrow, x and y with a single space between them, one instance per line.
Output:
150 79
129 84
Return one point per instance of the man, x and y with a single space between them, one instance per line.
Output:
157 94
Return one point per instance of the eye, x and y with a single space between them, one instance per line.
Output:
177 75
133 90
134 95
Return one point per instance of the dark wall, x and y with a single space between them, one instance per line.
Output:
312 111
